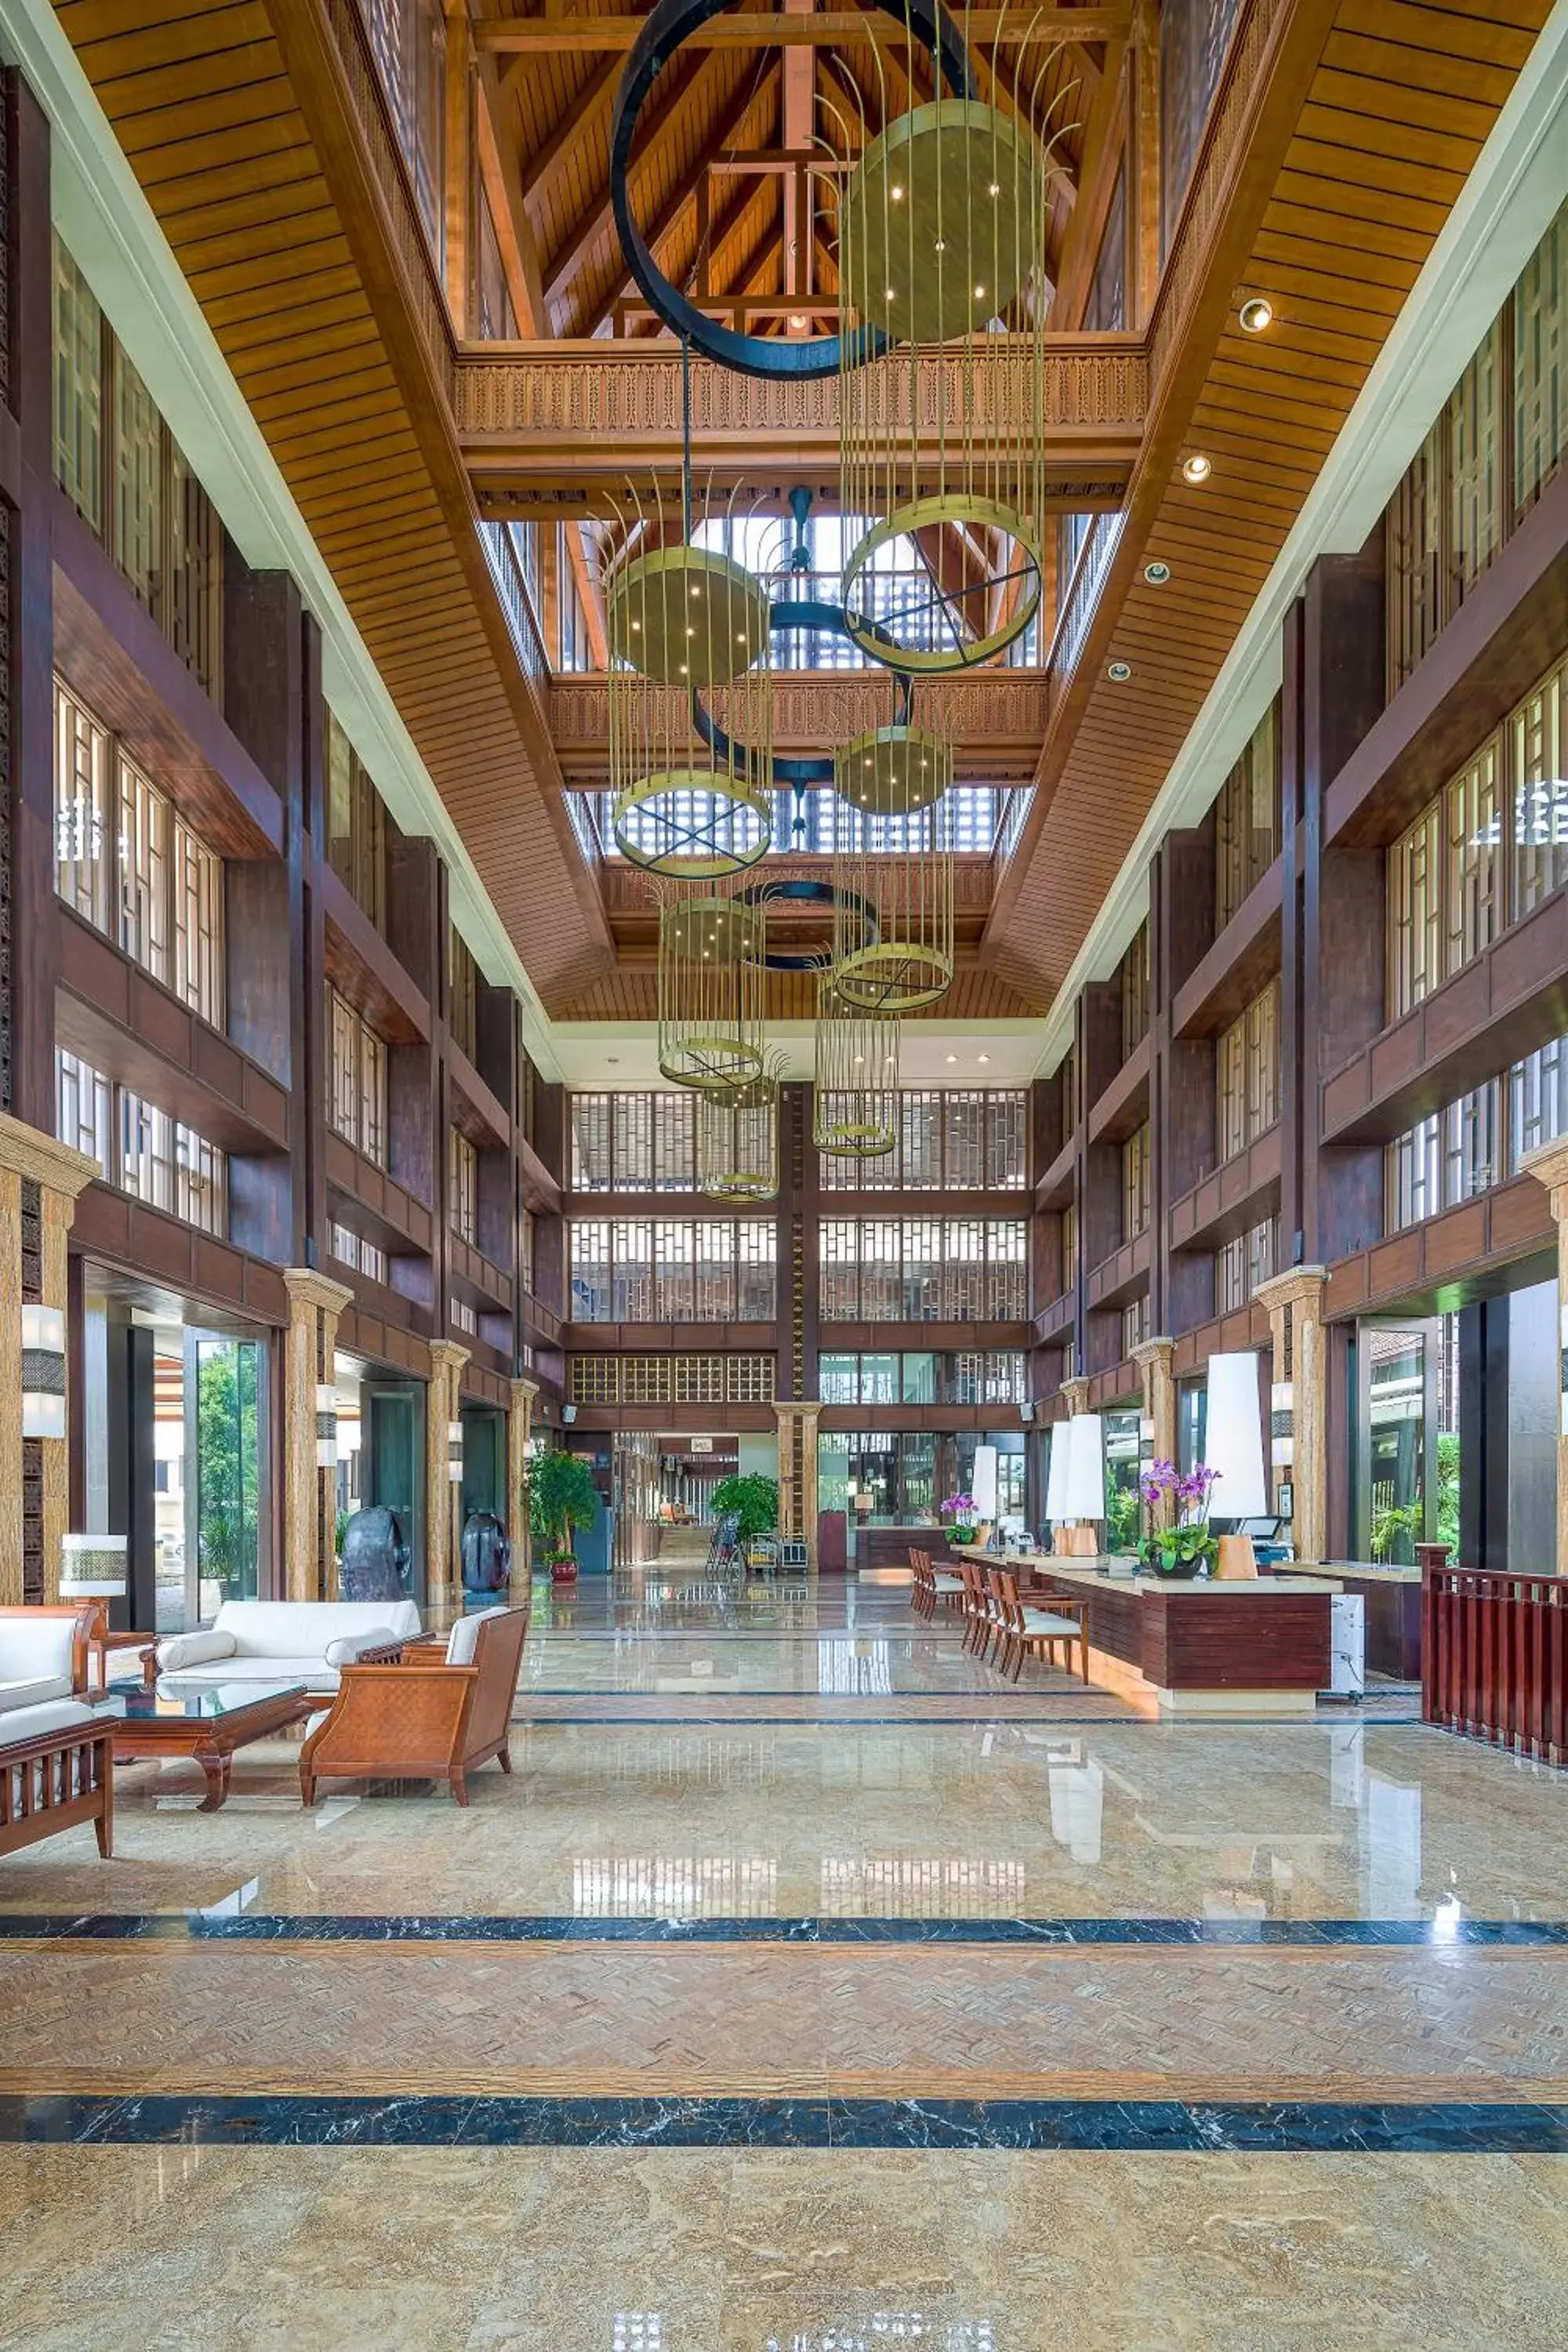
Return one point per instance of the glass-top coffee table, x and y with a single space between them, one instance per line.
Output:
205 1721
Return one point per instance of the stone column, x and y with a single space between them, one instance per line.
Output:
1075 1394
1549 1166
797 1473
1299 1414
1157 1438
34 1168
519 1432
442 1491
315 1303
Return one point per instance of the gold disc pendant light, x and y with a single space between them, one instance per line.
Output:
691 713
942 440
855 1101
892 849
738 1139
711 978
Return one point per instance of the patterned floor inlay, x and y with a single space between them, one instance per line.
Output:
1147 2126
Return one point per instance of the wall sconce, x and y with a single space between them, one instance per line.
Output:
455 1451
43 1371
326 1426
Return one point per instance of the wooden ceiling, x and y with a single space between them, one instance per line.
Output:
1337 141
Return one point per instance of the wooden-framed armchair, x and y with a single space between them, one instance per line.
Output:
433 1715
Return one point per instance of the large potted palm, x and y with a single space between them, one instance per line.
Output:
561 1498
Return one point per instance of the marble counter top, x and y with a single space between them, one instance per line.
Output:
1094 1578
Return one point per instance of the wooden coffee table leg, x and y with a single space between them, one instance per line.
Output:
215 1764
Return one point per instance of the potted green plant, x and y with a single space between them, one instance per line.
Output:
561 1497
754 1498
1177 1541
961 1510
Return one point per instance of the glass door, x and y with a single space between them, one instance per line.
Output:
225 1383
392 1462
1396 1431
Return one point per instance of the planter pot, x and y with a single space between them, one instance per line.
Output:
563 1569
961 1535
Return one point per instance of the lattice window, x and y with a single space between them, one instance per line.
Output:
1007 1280
964 1140
82 863
1474 483
713 1270
645 1380
1539 759
674 1141
1475 858
756 1287
1246 1073
79 390
634 1143
1133 980
633 1289
198 926
965 1379
138 484
962 1247
1007 1142
372 1105
1007 1376
1541 363
881 1269
1538 1100
143 871
84 1111
1134 1325
588 1245
1415 912
1472 1136
463 994
595 1379
1135 1178
699 1380
342 1067
751 1380
356 826
1414 564
1246 819
462 1186
924 1288
593 1168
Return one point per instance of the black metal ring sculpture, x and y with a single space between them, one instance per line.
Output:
805 892
669 26
798 613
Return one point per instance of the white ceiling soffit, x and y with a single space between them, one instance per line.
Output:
114 236
989 1053
1504 208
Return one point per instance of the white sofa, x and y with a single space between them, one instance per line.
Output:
37 1673
285 1642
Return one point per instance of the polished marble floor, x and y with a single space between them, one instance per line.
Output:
807 1989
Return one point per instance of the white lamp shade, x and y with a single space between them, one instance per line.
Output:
43 1371
985 1487
1056 1475
1234 1446
326 1425
1085 1496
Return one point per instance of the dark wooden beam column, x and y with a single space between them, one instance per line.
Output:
27 952
1181 1074
1342 956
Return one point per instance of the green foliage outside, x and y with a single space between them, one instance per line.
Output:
755 1496
1395 1532
226 1470
1124 1515
561 1497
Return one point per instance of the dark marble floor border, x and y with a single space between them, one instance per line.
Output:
157 2119
217 1925
979 1719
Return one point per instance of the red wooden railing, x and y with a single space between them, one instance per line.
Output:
1494 1657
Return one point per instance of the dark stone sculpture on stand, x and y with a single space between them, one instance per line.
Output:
487 1553
376 1558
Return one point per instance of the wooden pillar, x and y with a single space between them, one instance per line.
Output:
315 1304
1298 1413
443 1493
1157 1440
32 1164
797 1473
519 1432
1549 1166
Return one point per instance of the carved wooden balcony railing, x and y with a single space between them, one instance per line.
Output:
561 427
995 719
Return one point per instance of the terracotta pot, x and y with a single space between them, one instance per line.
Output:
563 1569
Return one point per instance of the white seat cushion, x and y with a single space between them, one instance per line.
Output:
55 1715
463 1640
1043 1621
947 1583
35 1652
34 1693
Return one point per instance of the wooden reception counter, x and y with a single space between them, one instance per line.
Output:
1200 1647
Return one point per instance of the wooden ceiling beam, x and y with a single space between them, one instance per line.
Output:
544 167
564 265
725 127
546 36
1104 144
520 267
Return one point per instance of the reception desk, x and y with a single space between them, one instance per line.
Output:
1198 1647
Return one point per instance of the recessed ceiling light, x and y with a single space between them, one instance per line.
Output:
1119 672
1196 469
1156 573
896 193
994 189
982 1057
952 1057
1256 313
797 320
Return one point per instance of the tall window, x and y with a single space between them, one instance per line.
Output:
1536 742
1134 980
1135 1167
1246 1069
633 1142
672 1270
1193 37
952 1139
356 826
1246 819
408 42
462 1186
119 844
923 1269
140 1149
463 1008
1537 1100
79 390
1241 1264
1446 1158
356 1080
1541 363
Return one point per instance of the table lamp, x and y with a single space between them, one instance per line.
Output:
1234 1451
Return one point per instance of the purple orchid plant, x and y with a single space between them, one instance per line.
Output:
1176 1505
962 1507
